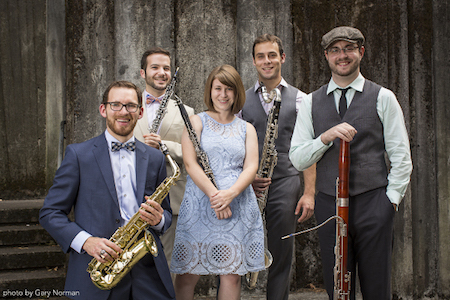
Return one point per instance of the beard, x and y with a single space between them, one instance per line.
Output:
353 67
158 87
121 130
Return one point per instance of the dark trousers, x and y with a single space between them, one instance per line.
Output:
141 283
370 228
284 194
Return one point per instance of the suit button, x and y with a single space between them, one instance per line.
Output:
117 221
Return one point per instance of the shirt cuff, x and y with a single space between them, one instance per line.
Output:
79 240
160 225
395 197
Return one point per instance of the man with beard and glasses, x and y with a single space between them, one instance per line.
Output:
156 70
368 116
105 181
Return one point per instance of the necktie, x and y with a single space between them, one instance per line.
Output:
343 103
151 99
130 146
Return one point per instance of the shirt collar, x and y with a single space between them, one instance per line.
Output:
282 83
110 139
357 84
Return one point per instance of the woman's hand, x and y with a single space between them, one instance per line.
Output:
220 202
224 214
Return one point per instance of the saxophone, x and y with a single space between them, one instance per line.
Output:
163 105
201 154
133 238
267 164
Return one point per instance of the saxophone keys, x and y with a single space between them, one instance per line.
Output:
96 275
108 278
127 255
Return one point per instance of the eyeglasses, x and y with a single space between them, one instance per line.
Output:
337 51
117 106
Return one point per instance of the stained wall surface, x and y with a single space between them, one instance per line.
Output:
57 57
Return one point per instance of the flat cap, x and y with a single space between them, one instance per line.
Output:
343 33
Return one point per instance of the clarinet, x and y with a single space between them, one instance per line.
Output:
269 158
201 154
163 106
342 276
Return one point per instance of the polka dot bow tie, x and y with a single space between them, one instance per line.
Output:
130 146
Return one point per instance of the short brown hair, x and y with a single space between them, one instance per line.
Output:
151 51
122 84
227 75
268 38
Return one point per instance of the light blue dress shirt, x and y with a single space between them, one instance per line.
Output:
307 150
123 163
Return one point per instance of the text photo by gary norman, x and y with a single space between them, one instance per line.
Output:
38 293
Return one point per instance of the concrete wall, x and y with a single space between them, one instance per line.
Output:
22 98
57 61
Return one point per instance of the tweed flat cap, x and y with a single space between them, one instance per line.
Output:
343 33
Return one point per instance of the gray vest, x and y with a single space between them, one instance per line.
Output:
254 113
368 169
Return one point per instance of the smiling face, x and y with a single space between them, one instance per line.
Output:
157 74
345 64
268 61
222 96
120 124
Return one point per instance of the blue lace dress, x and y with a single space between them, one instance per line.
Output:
204 244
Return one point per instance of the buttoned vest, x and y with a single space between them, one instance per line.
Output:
254 113
368 169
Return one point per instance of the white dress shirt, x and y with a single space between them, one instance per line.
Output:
267 106
152 109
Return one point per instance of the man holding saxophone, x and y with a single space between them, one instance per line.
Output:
284 186
368 116
104 180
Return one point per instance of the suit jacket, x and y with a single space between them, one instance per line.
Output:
85 183
172 127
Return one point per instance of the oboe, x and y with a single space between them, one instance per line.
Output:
341 274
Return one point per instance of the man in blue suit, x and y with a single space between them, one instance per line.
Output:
105 180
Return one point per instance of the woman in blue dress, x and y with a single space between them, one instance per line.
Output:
219 230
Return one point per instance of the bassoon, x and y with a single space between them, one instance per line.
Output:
341 273
342 276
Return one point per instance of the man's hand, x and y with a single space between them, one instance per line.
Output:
343 131
152 139
260 185
306 204
101 249
151 212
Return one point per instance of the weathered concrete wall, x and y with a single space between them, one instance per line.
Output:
22 98
441 107
406 51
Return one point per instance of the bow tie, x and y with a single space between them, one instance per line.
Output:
152 99
130 146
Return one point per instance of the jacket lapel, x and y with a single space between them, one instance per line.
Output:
101 153
141 171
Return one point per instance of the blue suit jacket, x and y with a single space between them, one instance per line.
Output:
85 183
